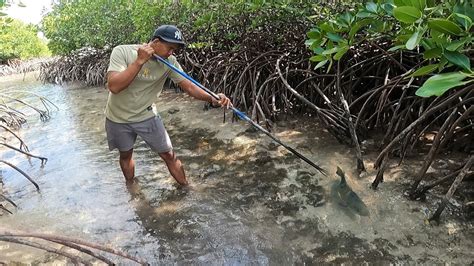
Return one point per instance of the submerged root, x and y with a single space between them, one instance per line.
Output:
73 243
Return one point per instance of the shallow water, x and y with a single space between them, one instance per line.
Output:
250 201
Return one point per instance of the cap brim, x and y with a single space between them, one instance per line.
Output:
181 43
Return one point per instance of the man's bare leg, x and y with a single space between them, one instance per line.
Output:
175 167
127 164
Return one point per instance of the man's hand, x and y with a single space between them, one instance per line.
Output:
145 52
222 102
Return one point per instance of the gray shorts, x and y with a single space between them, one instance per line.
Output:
123 135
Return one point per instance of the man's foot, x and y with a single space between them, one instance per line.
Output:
182 181
129 181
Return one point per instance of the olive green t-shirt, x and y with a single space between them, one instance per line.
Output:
134 103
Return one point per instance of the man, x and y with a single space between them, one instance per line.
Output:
135 79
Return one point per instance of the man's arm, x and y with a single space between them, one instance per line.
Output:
194 91
118 81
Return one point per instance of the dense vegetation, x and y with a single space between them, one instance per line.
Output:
19 40
366 67
20 46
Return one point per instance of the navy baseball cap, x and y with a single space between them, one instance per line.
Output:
169 33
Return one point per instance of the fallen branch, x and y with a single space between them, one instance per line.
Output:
71 240
75 259
21 172
22 143
43 159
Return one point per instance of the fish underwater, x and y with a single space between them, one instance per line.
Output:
347 199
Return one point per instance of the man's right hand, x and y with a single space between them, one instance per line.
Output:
118 81
145 52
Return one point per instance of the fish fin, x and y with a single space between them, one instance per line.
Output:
341 173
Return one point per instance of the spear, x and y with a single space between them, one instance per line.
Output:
242 115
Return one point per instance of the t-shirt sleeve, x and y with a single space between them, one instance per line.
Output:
175 77
117 60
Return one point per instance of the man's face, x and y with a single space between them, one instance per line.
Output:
164 49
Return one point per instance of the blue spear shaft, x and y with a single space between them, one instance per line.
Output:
241 115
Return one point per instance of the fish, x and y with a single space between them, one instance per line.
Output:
346 198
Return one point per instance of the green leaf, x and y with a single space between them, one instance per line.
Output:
364 14
388 8
430 3
313 34
3 14
420 4
402 2
427 43
354 29
444 26
371 7
465 9
407 14
439 84
414 40
463 20
377 26
397 47
432 53
341 53
329 45
309 42
315 45
403 38
317 58
458 59
326 27
321 64
424 70
442 63
358 25
332 50
347 17
334 37
438 38
318 50
341 23
456 45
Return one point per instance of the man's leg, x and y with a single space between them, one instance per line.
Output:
127 164
175 167
121 137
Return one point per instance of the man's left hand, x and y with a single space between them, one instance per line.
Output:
222 102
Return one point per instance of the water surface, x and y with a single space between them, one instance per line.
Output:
250 201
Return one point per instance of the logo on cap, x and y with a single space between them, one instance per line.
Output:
177 35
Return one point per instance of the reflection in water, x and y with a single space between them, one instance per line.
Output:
157 219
